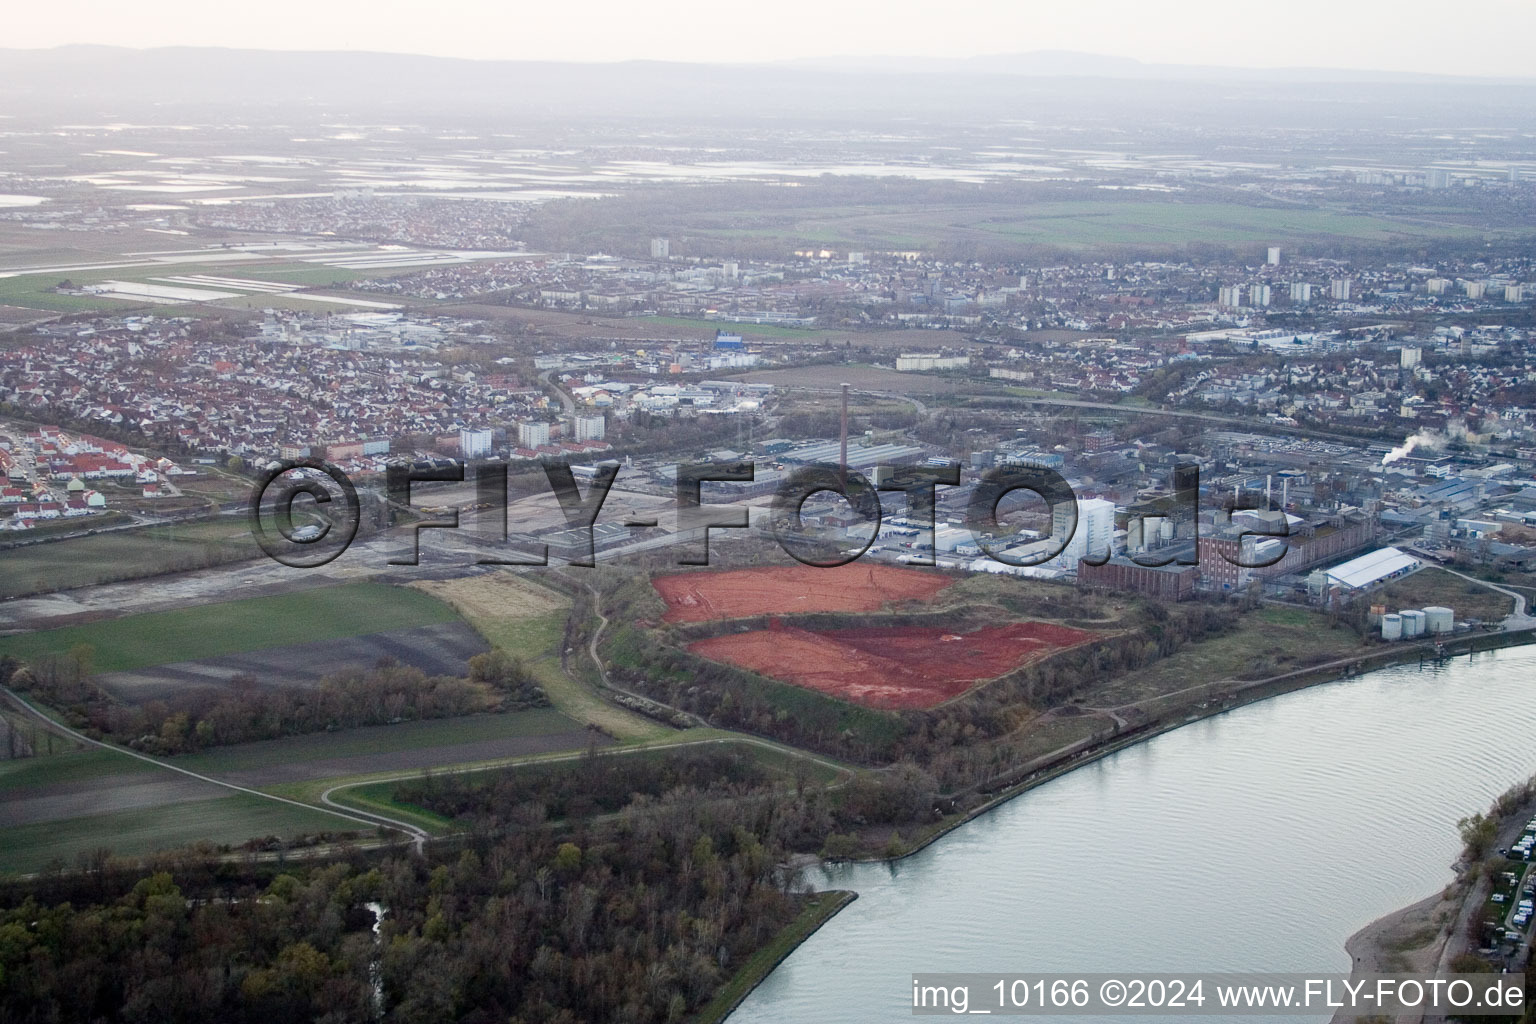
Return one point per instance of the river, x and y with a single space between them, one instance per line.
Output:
1256 840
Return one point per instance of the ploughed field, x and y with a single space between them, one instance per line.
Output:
442 649
855 587
895 667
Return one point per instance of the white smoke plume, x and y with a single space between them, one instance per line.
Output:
1401 451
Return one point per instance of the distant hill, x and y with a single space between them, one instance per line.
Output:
165 82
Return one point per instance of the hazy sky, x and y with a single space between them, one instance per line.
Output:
1492 37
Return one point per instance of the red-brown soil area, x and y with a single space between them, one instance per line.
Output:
855 587
894 667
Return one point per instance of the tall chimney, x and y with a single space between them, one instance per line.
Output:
842 464
1269 481
1285 490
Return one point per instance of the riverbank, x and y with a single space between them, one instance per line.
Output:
1066 759
821 908
1248 842
1426 937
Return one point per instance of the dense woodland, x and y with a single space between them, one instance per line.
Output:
246 710
825 821
596 784
638 923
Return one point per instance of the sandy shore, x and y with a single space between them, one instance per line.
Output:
1409 940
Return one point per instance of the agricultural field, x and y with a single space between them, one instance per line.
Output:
124 555
442 649
406 746
36 291
855 587
891 667
234 627
1087 224
222 820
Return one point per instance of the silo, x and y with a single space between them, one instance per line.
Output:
1391 627
1413 622
1439 619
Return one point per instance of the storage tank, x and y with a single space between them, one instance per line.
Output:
1439 619
1413 622
1391 627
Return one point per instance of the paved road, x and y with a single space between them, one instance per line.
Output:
565 399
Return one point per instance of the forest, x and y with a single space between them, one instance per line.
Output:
639 922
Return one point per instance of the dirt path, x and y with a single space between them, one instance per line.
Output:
418 836
1516 619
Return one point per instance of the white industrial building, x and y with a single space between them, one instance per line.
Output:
1366 571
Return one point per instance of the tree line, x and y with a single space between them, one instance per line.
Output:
247 710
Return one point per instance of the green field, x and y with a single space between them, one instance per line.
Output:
1076 224
1265 642
231 627
74 766
730 326
123 555
1433 586
436 732
34 291
1109 222
231 819
31 292
311 274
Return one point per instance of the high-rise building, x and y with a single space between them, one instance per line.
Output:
1438 177
1274 255
1301 291
589 427
1095 534
533 434
1437 285
474 444
1339 289
1410 355
1514 293
1231 296
1474 289
661 249
1258 295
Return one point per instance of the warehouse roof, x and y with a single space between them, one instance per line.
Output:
1372 567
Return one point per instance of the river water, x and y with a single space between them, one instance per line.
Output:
1257 840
